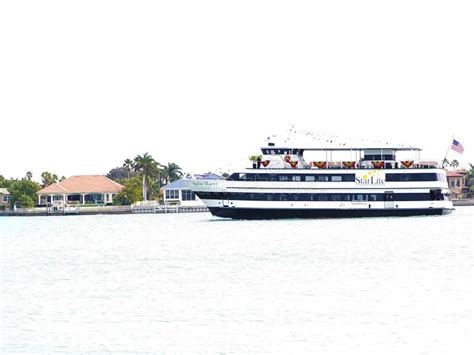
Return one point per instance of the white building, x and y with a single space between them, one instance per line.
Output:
178 193
4 198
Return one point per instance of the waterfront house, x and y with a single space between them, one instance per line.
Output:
80 189
4 198
456 183
178 192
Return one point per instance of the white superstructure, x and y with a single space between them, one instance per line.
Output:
282 184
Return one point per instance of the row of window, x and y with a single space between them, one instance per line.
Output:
282 151
333 177
429 196
415 177
292 177
456 183
186 195
379 157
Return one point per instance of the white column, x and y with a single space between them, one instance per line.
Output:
83 199
39 199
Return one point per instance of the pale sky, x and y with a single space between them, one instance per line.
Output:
87 84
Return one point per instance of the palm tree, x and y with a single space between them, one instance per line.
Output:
29 175
147 166
454 164
172 172
129 165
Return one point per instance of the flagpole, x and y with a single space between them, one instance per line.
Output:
449 148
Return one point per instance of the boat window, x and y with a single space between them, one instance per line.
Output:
360 197
242 177
309 178
412 197
412 177
436 195
336 178
296 178
283 178
262 177
379 157
441 177
323 178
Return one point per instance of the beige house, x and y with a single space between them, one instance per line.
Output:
4 198
456 183
81 189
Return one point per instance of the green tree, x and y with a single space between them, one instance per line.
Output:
118 174
48 178
23 193
470 178
172 172
4 182
29 175
454 164
128 164
149 170
131 193
154 188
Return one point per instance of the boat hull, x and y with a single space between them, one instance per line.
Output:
273 213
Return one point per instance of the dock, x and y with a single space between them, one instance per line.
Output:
96 210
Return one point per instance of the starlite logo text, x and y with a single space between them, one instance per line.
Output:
373 177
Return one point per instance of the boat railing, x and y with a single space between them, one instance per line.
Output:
348 165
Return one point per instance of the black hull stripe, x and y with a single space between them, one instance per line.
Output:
255 213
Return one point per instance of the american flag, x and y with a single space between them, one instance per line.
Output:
456 146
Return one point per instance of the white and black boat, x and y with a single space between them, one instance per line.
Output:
281 184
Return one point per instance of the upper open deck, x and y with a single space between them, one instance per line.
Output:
340 158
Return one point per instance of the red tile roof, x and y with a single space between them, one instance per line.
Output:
456 173
83 184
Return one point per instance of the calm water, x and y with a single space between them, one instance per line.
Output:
194 284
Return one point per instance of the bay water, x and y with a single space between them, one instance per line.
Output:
195 284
